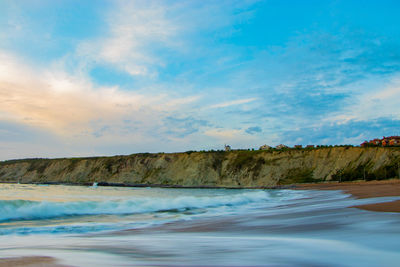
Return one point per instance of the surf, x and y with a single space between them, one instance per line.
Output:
35 210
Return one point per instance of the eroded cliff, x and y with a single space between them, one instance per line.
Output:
220 169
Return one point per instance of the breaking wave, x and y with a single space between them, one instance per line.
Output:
33 210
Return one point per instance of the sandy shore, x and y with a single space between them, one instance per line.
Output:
361 189
34 261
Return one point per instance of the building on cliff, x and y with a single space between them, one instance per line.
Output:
391 141
385 141
265 147
281 146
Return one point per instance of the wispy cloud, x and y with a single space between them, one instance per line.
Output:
169 75
233 103
253 130
379 99
135 28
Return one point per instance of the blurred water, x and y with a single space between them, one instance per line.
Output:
111 226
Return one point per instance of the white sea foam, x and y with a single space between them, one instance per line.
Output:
30 210
225 227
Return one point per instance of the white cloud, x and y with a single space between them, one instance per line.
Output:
140 35
134 29
223 133
69 105
235 137
233 103
59 97
376 100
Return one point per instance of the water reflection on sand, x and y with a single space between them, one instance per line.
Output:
316 229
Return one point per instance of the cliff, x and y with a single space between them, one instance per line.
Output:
220 169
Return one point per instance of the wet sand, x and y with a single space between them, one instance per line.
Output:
34 261
286 228
365 189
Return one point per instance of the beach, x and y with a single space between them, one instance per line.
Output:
37 261
59 225
364 189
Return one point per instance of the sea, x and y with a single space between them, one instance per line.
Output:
128 226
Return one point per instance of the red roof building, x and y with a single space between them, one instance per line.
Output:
375 142
385 141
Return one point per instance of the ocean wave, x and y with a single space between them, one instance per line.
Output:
33 210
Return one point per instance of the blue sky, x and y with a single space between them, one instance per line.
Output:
85 78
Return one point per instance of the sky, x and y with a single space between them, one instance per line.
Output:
91 78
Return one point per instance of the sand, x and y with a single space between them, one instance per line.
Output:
33 261
360 189
365 189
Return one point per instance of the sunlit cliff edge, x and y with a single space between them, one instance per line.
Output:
212 169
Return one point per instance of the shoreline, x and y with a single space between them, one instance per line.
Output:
359 189
364 189
106 184
39 261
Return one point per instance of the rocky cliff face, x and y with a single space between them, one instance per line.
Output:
221 169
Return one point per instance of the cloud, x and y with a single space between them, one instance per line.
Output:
68 105
349 132
235 137
253 130
317 78
59 97
223 133
233 103
135 29
144 38
165 74
376 99
184 126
